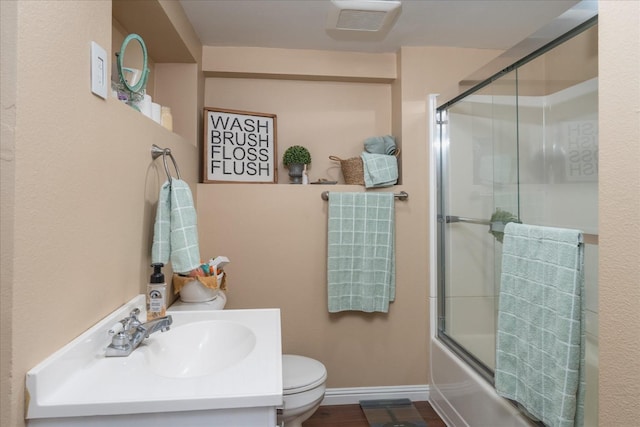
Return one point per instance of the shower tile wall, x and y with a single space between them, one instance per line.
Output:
558 170
559 188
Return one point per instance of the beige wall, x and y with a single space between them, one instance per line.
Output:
330 118
78 189
275 235
619 126
10 399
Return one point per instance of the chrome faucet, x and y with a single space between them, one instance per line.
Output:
130 332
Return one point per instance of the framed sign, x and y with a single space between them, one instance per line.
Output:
239 146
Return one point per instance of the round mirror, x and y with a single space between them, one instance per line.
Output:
132 63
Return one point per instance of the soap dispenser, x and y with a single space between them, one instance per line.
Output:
156 293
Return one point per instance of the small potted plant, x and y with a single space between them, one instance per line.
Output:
295 158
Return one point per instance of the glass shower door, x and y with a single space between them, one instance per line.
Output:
522 145
479 164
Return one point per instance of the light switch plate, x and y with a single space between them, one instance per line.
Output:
99 70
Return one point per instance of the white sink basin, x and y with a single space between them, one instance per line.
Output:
215 345
208 363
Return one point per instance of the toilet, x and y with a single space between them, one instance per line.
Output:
303 385
303 378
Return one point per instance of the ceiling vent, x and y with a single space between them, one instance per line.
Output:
362 15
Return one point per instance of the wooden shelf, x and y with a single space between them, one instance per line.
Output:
150 20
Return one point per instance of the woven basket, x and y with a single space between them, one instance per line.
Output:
210 282
353 169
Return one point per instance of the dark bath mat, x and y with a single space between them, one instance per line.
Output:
392 413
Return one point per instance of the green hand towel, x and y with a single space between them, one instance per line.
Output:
361 252
161 248
175 230
380 170
540 342
381 145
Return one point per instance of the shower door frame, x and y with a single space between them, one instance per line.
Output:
441 154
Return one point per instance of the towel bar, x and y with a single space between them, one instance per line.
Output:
403 195
589 239
164 152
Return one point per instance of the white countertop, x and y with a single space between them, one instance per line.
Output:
79 380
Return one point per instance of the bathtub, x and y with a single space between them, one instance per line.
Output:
463 398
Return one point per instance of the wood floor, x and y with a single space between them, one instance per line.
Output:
352 416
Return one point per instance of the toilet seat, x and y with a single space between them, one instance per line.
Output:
300 374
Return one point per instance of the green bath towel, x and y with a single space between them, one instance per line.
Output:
540 342
361 252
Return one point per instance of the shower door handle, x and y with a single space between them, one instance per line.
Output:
454 218
497 226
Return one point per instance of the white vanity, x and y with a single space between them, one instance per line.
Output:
211 368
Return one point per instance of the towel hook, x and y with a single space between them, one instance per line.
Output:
164 152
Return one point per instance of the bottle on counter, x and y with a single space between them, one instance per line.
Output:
156 293
166 119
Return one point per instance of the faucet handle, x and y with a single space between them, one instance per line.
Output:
126 323
116 329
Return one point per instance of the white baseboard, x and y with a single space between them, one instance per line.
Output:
353 395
